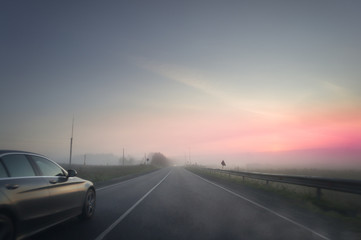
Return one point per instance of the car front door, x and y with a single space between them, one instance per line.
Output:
65 192
27 193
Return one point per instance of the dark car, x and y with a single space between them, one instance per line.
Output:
36 193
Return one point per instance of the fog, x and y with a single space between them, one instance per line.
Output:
329 159
308 158
271 84
265 86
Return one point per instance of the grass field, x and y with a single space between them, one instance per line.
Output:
344 206
103 173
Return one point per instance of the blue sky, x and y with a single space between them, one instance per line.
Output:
214 76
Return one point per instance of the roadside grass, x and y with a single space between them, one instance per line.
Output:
343 206
98 173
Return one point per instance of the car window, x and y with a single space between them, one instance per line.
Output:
3 172
47 167
18 165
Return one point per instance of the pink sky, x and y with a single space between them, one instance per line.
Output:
215 81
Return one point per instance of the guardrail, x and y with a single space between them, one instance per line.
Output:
341 185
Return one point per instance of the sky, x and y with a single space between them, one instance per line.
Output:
196 80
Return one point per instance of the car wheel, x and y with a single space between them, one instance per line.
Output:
89 204
6 228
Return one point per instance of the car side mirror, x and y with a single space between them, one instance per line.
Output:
72 173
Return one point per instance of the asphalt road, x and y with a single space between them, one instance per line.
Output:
174 203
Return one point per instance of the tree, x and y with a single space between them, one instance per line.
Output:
159 160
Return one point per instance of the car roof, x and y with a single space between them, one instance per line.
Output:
16 151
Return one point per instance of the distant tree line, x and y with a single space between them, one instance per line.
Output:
158 159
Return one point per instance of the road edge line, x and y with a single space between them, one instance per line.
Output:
122 182
265 208
115 184
114 224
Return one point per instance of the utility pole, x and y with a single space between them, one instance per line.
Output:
123 156
71 141
190 161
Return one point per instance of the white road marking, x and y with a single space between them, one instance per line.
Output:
265 208
114 224
115 184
